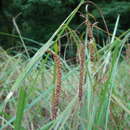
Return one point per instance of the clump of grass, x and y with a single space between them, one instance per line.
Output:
103 103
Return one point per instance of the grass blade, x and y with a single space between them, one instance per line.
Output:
20 109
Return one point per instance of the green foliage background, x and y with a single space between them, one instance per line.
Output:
40 18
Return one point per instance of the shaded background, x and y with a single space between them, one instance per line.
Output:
40 18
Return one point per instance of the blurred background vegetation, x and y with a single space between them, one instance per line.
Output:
27 85
40 18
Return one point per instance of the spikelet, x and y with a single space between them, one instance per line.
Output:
92 50
57 91
91 42
90 30
82 71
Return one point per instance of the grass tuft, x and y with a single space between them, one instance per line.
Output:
44 93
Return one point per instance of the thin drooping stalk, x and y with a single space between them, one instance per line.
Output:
18 31
82 71
57 90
